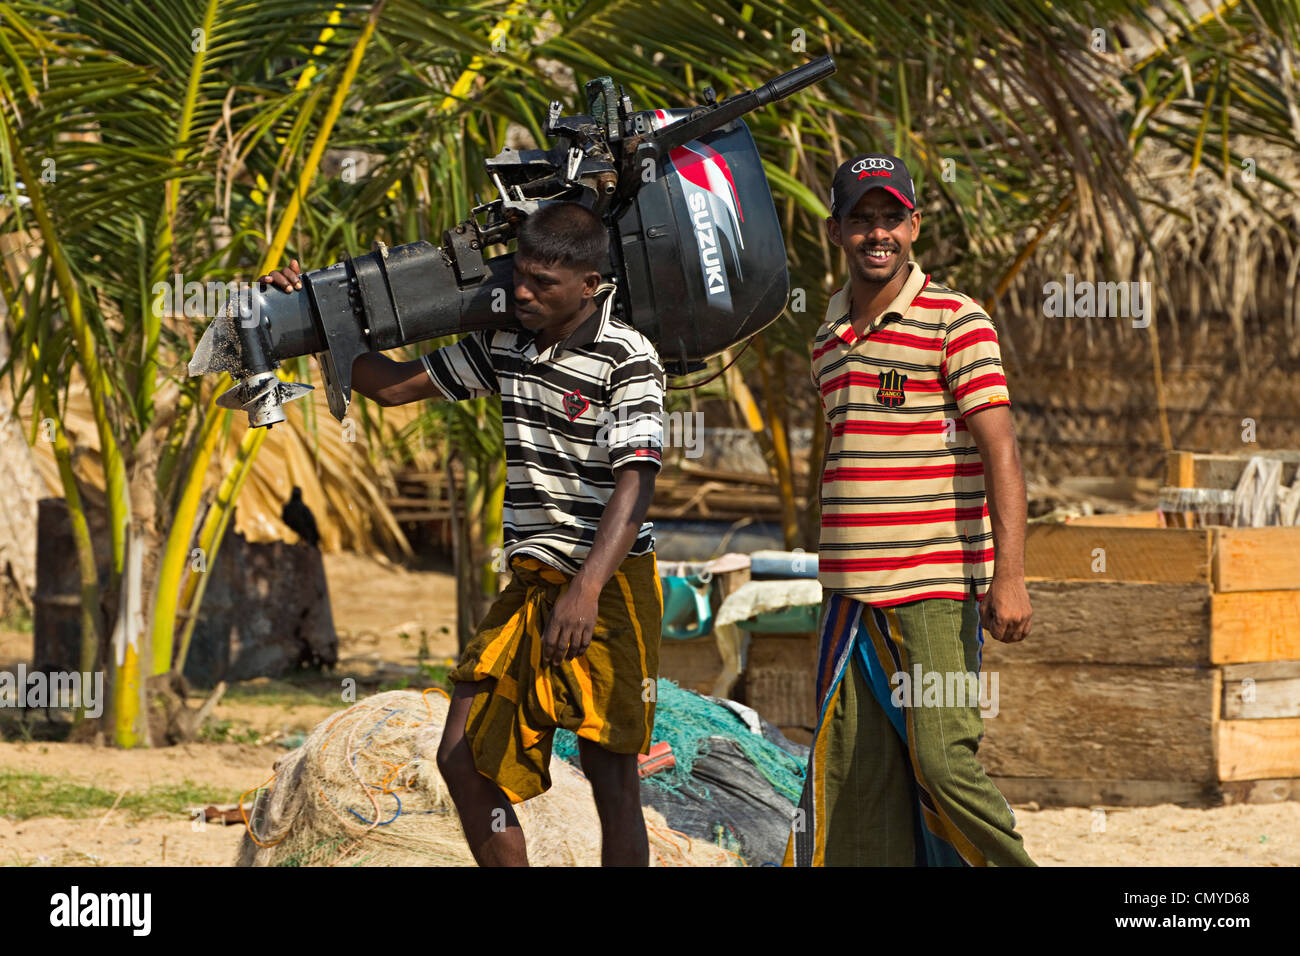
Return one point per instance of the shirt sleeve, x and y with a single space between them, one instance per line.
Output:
817 387
636 407
972 363
464 369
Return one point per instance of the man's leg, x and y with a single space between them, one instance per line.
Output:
858 806
491 827
616 786
968 812
870 804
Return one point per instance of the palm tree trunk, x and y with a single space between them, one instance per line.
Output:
20 488
130 650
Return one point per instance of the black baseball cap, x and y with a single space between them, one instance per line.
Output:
861 174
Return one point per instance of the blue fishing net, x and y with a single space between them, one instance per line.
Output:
685 720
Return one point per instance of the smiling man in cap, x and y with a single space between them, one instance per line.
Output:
922 540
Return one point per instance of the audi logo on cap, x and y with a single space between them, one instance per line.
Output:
872 162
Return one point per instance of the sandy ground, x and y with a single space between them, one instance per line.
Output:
1241 835
373 605
113 838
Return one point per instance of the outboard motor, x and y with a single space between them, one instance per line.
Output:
695 248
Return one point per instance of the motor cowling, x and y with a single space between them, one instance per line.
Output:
700 256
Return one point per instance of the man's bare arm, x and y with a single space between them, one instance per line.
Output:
573 621
392 383
375 376
1006 609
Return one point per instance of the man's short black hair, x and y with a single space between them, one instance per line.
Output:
566 234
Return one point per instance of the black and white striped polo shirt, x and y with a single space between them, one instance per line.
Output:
571 415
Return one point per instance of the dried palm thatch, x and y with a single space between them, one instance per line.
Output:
364 790
344 478
1213 254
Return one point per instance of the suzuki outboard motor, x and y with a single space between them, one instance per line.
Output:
695 248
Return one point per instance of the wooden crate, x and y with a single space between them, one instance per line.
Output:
1163 666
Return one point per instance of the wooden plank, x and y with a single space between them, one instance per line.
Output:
1250 699
1224 471
1102 722
1106 622
1070 553
1181 473
1260 791
1051 792
401 517
1128 519
1253 626
1275 670
1180 469
1259 749
692 473
1257 559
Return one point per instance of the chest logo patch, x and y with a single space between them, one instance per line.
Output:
575 404
890 394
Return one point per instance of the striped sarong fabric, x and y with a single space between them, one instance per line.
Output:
607 695
890 782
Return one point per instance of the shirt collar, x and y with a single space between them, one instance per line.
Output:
590 331
916 281
594 328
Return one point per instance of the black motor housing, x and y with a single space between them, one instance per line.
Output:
695 248
700 258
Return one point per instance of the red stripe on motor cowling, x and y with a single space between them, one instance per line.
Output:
978 382
899 474
865 427
900 564
903 517
686 159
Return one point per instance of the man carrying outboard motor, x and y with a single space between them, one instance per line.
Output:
674 205
573 640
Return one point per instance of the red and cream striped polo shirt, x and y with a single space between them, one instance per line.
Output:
904 514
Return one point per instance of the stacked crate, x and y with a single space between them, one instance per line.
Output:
1163 666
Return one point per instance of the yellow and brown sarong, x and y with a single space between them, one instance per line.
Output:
607 695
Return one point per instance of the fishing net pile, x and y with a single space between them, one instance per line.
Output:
735 780
364 790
